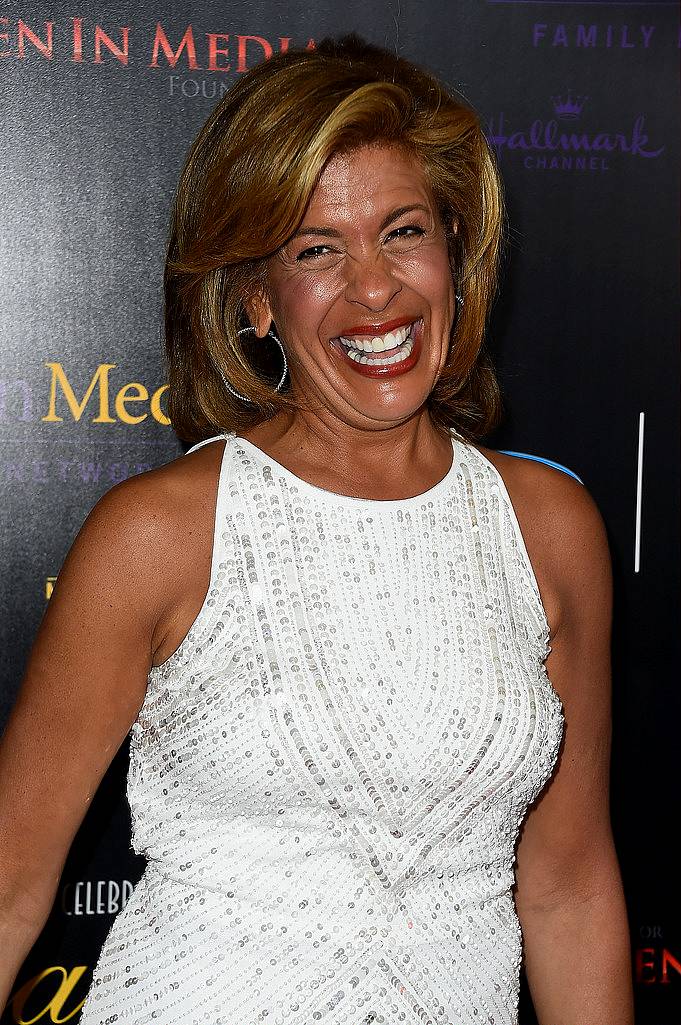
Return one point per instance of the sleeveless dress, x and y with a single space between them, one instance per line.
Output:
329 774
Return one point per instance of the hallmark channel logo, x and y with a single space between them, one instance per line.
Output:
559 143
568 107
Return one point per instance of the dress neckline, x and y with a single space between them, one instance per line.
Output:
334 498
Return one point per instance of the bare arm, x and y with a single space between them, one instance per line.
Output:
83 686
569 890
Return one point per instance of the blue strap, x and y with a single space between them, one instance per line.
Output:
538 459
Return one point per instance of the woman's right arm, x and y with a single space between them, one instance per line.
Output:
84 684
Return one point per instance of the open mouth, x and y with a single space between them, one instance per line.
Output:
381 350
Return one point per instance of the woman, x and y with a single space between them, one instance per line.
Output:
327 625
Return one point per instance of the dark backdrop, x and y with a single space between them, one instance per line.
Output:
581 101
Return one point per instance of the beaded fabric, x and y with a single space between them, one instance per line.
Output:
328 776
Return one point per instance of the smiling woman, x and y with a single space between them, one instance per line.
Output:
313 164
386 249
345 668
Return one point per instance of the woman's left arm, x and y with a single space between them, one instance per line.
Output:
569 895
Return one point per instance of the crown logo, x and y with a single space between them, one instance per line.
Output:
568 106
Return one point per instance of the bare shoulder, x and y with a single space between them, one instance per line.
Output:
151 535
179 489
166 503
564 533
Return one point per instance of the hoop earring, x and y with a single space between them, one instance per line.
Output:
459 300
237 394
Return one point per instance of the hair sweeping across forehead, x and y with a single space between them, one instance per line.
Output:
243 192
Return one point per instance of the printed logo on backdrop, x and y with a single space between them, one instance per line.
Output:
57 993
654 963
53 995
182 49
133 395
570 136
59 402
584 32
101 402
95 897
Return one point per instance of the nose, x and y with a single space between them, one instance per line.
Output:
370 281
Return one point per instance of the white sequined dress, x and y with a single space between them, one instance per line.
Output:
329 774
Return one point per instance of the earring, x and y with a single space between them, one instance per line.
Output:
459 299
244 398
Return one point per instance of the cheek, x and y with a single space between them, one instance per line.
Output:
303 300
429 274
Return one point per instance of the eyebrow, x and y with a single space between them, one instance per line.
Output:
388 219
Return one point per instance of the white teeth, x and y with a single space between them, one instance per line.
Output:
397 357
390 340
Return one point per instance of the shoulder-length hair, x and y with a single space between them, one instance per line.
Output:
244 190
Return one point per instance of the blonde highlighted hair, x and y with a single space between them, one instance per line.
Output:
243 193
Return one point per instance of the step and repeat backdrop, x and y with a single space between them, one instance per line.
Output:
580 100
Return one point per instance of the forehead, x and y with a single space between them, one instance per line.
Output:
367 181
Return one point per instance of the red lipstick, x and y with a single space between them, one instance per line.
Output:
376 329
376 369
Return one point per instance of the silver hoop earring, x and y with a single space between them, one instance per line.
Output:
244 398
459 300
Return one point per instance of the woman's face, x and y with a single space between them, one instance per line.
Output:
362 296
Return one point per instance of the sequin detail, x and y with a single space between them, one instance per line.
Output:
329 775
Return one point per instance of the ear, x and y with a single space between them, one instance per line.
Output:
259 312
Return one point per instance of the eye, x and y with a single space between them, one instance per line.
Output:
311 253
407 227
